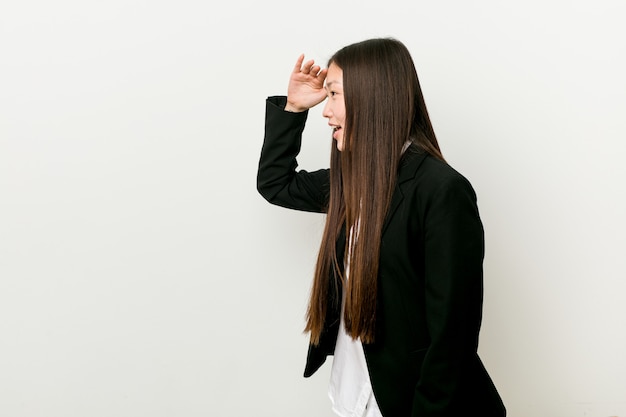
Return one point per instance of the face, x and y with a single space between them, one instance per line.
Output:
335 108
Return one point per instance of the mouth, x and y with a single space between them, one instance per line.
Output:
336 131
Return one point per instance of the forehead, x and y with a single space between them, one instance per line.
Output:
334 75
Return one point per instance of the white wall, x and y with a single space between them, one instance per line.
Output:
142 275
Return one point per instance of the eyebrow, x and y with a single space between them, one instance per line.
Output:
328 84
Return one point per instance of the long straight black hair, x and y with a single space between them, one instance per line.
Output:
385 109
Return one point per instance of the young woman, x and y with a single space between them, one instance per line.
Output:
397 291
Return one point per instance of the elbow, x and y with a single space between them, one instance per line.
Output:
261 189
264 189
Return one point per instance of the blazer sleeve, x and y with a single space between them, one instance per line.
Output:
278 181
454 251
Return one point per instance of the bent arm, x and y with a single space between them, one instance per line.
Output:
277 179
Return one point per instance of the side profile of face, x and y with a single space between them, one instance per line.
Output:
335 108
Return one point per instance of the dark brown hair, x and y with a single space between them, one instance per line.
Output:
384 110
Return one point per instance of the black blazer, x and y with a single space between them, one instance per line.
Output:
424 359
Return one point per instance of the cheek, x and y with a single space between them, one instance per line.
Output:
342 114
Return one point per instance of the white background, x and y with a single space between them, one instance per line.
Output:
141 274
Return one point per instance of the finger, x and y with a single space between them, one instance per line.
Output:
298 65
315 69
306 68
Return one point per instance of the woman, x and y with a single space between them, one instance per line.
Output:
397 291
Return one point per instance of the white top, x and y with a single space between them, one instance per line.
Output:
350 389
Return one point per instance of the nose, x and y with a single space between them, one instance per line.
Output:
326 112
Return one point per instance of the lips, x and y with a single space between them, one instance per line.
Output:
336 131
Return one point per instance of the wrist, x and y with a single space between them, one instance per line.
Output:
293 109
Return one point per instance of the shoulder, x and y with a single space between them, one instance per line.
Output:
441 198
430 175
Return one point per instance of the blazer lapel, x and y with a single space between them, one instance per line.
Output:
406 171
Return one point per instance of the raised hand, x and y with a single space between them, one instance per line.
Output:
306 86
